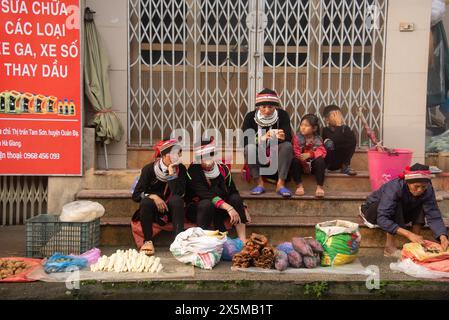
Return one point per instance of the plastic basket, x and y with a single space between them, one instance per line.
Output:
45 235
384 167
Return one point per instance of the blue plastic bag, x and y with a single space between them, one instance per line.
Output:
59 263
287 247
230 248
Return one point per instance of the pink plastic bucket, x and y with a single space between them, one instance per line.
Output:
384 167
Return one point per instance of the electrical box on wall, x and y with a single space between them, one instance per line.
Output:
406 27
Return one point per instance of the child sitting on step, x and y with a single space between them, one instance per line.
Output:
309 154
339 141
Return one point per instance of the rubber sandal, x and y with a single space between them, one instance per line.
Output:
257 190
284 192
148 248
301 191
348 171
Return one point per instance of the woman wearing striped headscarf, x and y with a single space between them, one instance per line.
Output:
268 124
160 191
409 198
214 196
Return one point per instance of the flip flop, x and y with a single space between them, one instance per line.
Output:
257 190
284 192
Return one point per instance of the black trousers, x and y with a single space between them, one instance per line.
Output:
205 214
402 217
149 214
318 169
335 159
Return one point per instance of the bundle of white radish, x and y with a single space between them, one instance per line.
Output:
127 261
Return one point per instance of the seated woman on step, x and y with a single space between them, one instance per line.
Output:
268 124
214 195
407 199
160 191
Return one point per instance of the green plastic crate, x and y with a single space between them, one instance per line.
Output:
45 235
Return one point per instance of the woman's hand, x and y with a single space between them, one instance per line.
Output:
172 168
160 204
234 215
280 135
266 136
444 242
415 238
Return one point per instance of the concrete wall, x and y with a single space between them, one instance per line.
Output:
111 21
406 76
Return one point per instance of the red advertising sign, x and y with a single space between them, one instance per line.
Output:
40 87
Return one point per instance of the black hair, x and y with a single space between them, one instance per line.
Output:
313 121
419 167
205 142
267 91
328 109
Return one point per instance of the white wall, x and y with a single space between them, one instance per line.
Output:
406 76
111 21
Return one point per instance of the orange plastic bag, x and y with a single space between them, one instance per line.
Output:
32 264
429 255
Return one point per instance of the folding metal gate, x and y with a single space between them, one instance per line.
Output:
204 60
21 198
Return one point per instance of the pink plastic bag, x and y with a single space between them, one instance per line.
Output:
91 256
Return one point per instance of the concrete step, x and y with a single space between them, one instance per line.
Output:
338 204
137 158
117 231
123 179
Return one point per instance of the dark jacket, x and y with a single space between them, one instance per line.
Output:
342 136
282 123
149 184
219 189
396 191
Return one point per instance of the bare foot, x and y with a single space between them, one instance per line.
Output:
147 248
299 190
392 252
319 193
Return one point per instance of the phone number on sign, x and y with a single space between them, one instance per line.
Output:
41 156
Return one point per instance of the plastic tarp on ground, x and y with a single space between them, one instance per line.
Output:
423 261
354 268
412 269
32 264
172 270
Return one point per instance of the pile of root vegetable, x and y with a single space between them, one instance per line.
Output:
10 268
299 253
128 261
257 252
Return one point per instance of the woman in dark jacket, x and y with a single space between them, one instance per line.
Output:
160 192
214 194
407 199
267 127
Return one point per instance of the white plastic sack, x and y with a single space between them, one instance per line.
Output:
438 10
201 248
81 211
412 269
